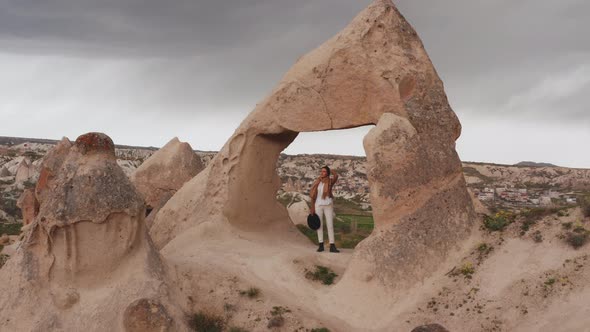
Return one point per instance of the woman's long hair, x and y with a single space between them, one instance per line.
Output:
327 169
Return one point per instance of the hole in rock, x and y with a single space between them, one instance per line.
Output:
300 165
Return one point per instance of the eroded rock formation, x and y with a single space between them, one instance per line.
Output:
50 166
298 212
86 257
24 172
161 175
4 172
28 205
375 71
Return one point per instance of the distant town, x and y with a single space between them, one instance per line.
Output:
512 195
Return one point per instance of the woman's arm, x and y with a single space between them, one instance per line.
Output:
334 177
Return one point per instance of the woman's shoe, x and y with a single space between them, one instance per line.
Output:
321 247
332 248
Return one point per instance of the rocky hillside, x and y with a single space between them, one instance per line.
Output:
545 176
20 159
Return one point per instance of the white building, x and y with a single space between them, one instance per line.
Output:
485 196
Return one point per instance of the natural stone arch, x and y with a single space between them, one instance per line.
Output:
375 71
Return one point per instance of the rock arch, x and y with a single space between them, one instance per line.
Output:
375 71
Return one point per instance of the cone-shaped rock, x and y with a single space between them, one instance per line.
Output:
24 172
50 165
161 175
87 256
4 172
166 171
28 205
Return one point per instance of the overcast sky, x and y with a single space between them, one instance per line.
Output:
517 73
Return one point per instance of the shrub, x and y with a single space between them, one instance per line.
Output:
251 292
550 281
467 270
321 329
495 223
204 322
567 225
577 239
323 274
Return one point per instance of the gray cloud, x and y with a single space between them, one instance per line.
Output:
525 61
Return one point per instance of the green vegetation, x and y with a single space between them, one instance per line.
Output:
467 270
8 205
550 281
578 237
10 229
349 230
321 329
321 273
204 322
343 206
498 221
251 292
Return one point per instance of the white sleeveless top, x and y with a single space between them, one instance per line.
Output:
322 201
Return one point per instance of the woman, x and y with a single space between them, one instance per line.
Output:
322 203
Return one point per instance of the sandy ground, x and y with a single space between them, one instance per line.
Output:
509 290
519 282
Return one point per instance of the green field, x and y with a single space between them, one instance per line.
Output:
345 234
10 229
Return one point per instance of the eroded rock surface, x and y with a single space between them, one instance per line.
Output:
29 205
24 171
161 175
88 244
375 71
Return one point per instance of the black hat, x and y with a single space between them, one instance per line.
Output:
313 221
